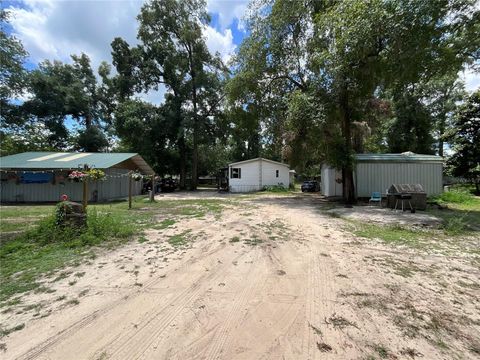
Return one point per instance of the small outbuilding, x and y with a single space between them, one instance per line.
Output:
377 172
256 174
44 176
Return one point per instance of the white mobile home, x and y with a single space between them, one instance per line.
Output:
377 172
44 176
255 174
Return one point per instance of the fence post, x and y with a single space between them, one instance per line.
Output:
85 190
129 189
152 196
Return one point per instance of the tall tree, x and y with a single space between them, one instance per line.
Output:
62 90
352 52
465 140
12 72
174 53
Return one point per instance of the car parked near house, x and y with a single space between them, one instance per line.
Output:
310 186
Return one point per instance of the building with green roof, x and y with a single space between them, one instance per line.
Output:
377 172
44 176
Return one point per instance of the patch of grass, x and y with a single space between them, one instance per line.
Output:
179 239
234 239
5 332
339 322
83 293
382 351
73 302
61 298
457 196
165 224
410 352
44 249
79 274
253 241
142 239
391 234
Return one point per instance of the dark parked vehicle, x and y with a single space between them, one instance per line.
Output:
310 186
168 185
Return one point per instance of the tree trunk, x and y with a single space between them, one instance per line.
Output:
194 182
88 121
441 131
348 185
183 162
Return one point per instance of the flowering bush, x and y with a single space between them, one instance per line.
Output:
64 197
95 174
137 176
92 174
77 176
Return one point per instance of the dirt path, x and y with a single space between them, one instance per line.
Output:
272 279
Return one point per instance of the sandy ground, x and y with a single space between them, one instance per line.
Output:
271 278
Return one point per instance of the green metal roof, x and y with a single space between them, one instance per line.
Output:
403 157
70 160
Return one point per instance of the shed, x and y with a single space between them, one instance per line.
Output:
256 174
377 172
43 176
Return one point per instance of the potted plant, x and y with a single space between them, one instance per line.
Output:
136 176
77 176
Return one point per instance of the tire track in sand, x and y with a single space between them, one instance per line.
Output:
41 348
221 342
134 343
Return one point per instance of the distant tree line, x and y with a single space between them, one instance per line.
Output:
314 81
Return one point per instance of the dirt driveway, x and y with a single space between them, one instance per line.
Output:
268 278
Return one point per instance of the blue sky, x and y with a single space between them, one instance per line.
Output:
54 29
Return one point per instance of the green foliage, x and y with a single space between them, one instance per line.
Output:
456 197
47 247
411 128
276 189
12 72
465 138
333 66
91 139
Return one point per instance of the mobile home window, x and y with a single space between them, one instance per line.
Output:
235 173
276 173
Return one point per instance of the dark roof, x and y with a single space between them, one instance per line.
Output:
74 160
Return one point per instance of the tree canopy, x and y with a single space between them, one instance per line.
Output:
312 82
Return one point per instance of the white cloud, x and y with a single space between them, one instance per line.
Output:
57 29
54 30
220 42
228 11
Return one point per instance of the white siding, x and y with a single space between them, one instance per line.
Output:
250 177
330 187
257 174
269 174
378 176
111 188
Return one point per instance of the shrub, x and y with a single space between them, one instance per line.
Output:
275 188
455 196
